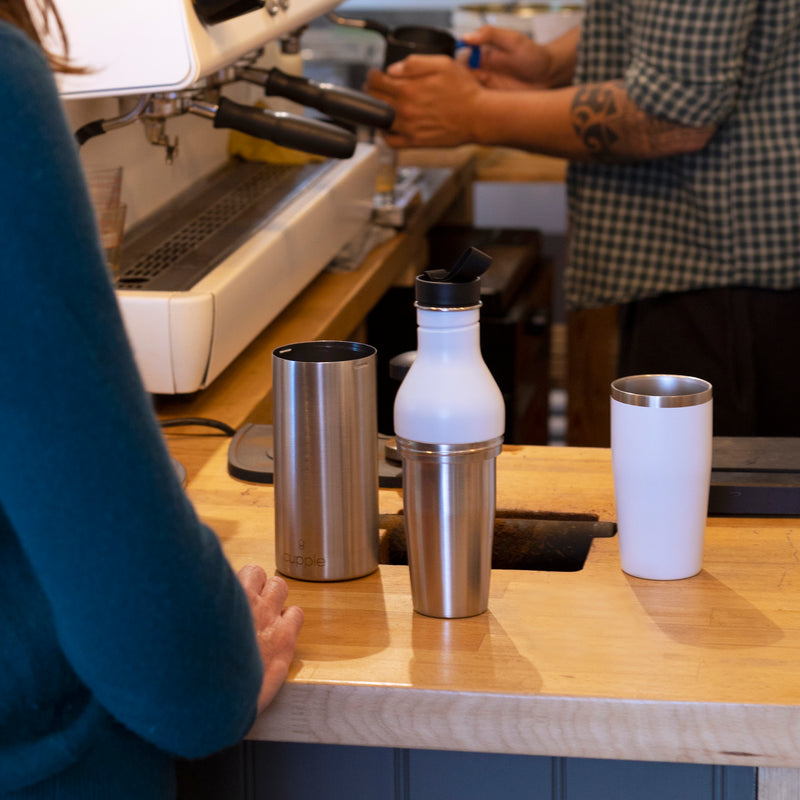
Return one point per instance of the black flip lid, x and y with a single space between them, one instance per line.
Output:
458 287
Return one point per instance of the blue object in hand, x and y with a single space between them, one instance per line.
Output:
474 61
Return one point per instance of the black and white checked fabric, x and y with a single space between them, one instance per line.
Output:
726 216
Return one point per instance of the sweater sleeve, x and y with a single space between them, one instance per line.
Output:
146 607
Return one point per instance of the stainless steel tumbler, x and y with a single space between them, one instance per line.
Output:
449 505
326 460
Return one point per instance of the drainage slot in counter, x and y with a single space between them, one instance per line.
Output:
543 541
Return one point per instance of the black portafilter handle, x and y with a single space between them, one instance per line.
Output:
288 130
338 102
213 11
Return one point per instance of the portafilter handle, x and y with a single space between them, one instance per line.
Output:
288 130
348 105
213 11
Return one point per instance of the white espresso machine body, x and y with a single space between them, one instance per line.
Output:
182 340
162 45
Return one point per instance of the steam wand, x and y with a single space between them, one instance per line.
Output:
100 126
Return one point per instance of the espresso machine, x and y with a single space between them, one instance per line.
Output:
205 274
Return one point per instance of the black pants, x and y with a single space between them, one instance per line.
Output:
744 341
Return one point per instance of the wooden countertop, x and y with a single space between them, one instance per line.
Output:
504 164
591 663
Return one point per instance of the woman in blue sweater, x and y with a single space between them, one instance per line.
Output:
125 638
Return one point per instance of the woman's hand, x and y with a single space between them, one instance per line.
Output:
436 100
276 627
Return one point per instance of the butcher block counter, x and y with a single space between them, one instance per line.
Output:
589 663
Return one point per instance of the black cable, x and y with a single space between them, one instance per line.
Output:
202 421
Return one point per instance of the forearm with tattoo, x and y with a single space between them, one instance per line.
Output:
612 128
596 119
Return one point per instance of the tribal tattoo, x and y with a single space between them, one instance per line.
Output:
594 113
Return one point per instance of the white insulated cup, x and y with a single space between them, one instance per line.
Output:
661 433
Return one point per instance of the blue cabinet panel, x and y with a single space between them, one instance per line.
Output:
320 772
269 770
736 783
434 775
473 776
590 779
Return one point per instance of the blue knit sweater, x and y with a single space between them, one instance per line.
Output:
124 634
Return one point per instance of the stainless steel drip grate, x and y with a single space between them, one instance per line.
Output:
177 246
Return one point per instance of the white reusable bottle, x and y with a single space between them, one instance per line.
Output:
449 418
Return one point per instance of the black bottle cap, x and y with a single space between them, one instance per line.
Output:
458 287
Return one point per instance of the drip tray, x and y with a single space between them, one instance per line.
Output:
543 541
181 244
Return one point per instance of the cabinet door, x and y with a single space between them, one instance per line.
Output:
266 770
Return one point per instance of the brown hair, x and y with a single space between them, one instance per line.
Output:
17 13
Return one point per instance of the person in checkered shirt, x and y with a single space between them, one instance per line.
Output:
681 122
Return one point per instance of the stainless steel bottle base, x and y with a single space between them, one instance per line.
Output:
449 505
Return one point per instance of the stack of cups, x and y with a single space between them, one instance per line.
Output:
105 188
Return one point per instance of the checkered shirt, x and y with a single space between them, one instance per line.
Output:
728 215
